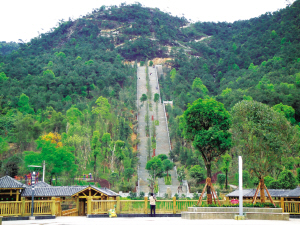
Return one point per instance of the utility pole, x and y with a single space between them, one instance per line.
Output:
44 165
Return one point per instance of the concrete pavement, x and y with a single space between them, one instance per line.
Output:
145 221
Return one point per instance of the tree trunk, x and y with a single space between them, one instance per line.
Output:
226 181
262 191
209 196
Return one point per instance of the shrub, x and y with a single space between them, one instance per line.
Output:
268 180
274 185
287 180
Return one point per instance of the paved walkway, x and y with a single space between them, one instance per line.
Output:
162 139
144 221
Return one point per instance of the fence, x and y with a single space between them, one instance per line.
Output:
173 206
23 208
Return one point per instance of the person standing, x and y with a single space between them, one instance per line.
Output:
152 200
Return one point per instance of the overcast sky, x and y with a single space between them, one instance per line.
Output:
23 19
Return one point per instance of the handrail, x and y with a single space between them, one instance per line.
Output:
46 207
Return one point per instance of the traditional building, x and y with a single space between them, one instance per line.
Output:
12 190
275 193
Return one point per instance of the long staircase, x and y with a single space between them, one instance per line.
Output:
162 138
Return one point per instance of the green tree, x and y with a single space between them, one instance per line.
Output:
173 74
263 136
180 175
221 179
128 172
162 157
225 167
143 98
275 184
298 175
3 145
268 180
199 86
206 123
156 97
24 105
96 148
155 168
150 63
168 165
102 107
287 111
58 159
197 172
287 180
113 177
3 77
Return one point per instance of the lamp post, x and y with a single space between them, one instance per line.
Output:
32 192
32 167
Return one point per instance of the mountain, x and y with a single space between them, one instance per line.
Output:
73 89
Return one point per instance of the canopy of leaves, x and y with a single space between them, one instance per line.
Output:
262 135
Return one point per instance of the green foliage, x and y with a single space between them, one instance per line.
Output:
287 111
24 105
3 145
128 172
197 172
287 180
206 123
150 63
221 179
173 74
143 98
168 180
102 107
180 174
59 159
155 169
262 134
298 175
3 77
156 97
199 86
275 185
167 165
156 122
268 180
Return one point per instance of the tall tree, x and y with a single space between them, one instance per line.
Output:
155 168
226 164
263 136
206 123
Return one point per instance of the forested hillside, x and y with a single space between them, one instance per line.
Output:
257 59
69 96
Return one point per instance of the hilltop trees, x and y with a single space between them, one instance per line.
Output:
206 123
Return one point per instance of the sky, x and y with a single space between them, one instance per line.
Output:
25 19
